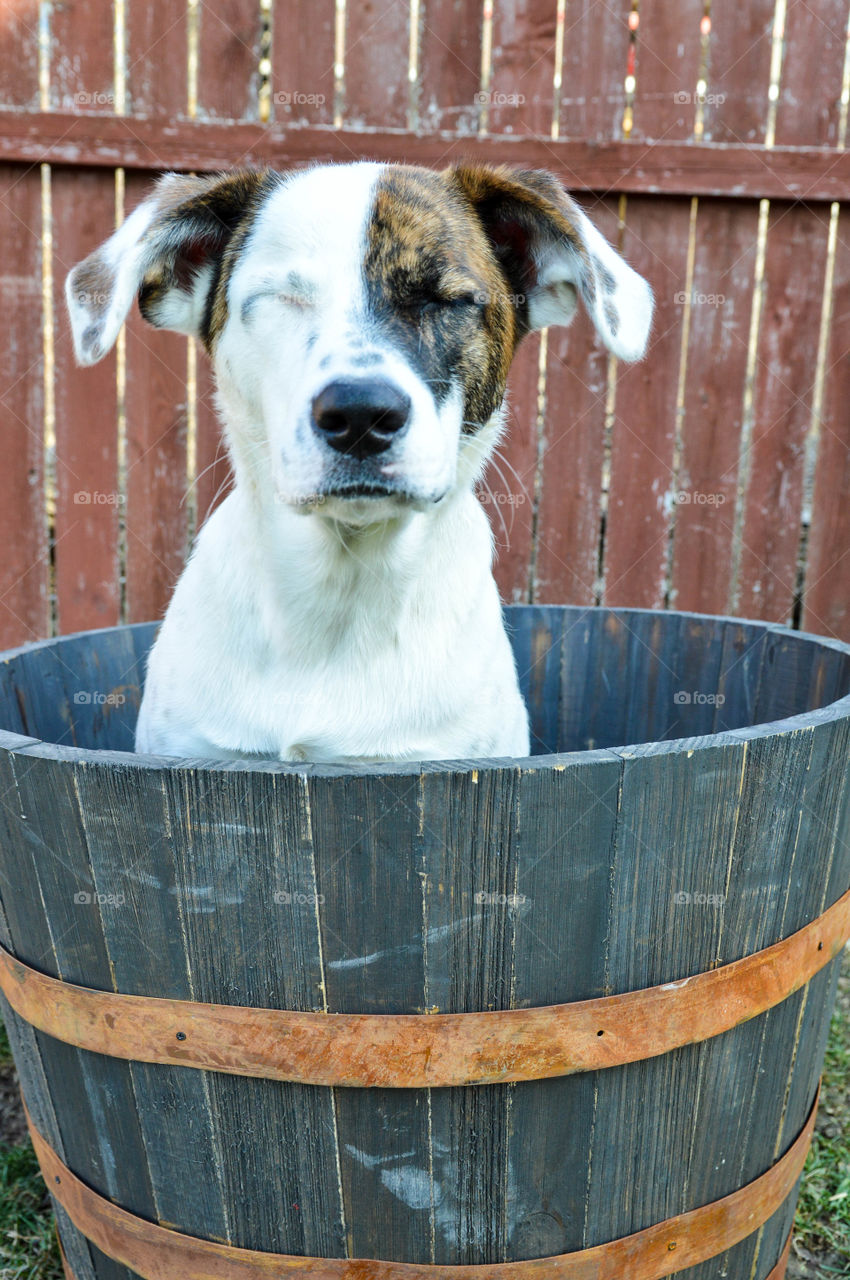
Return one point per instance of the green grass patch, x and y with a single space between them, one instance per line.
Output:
28 1245
822 1225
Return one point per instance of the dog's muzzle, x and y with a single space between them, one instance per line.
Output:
360 417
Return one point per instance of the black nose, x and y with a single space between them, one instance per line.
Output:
360 416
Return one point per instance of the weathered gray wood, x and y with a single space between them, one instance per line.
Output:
536 636
94 1111
450 886
36 1092
366 846
470 849
239 840
565 862
127 826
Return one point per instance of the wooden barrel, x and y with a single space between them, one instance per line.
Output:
643 939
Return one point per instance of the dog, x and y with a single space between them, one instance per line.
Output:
339 605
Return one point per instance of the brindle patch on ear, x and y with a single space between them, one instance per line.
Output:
208 227
513 205
435 287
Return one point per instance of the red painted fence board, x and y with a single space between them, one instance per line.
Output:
24 563
795 267
88 497
644 433
302 58
827 598
574 453
713 409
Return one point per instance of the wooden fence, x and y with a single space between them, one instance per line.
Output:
706 137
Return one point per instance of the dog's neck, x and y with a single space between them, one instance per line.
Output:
346 584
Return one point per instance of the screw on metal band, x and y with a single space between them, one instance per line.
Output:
427 1050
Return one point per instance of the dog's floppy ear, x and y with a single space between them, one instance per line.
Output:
551 252
168 252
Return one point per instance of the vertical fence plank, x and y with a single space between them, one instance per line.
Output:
827 587
595 51
228 60
82 76
377 35
521 95
644 432
24 567
739 50
228 36
87 586
808 108
520 100
156 455
782 405
668 61
157 58
19 56
302 58
156 394
574 453
449 65
87 497
596 48
706 489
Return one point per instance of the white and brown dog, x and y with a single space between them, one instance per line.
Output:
361 319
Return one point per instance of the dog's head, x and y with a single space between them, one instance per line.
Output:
361 318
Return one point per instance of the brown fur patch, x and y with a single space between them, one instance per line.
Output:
471 229
436 288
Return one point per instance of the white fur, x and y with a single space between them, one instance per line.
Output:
308 627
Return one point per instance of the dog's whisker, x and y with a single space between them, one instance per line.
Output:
498 454
219 457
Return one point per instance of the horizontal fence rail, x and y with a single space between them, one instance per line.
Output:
706 139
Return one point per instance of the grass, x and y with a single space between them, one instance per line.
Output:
28 1244
29 1248
822 1225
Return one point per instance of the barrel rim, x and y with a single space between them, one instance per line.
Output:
554 761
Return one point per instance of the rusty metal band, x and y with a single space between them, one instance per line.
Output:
778 1272
158 1253
426 1050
